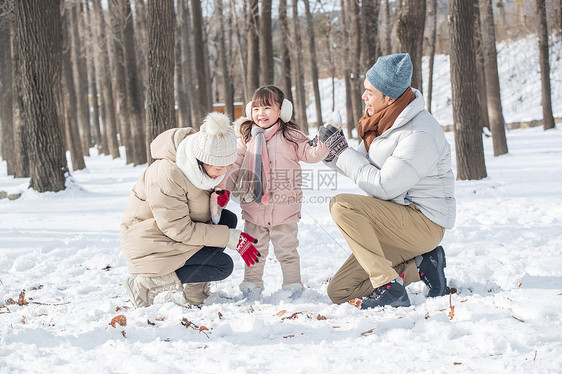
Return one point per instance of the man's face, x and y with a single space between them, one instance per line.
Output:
374 100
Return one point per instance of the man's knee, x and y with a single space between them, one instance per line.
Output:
339 204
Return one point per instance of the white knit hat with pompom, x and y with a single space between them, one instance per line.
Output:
216 141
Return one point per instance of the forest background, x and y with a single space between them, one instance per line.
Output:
79 74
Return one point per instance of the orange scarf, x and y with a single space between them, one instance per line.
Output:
372 126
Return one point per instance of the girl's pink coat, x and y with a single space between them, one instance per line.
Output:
285 193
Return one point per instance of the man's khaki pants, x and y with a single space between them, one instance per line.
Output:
384 238
285 243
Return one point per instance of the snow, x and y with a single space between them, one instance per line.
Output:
503 257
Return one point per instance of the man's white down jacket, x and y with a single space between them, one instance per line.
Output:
410 163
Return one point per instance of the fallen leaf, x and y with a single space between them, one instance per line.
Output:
117 308
465 300
203 347
335 327
107 268
220 315
120 320
426 315
320 317
356 303
457 363
150 323
367 332
202 328
288 336
293 316
185 322
21 299
10 301
160 319
520 284
123 333
280 313
520 320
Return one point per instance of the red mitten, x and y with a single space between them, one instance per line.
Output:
244 244
223 197
219 199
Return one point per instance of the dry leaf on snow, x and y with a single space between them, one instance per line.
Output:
120 320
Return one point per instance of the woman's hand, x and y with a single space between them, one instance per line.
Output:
219 199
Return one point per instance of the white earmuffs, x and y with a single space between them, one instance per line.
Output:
286 110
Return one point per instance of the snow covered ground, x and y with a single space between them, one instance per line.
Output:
503 258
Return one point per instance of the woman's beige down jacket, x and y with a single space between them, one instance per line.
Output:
167 218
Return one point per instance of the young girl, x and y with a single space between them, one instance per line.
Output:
267 178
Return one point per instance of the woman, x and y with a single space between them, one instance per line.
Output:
167 236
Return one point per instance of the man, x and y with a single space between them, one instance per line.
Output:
403 163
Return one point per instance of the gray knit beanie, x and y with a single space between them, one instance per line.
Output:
216 141
391 74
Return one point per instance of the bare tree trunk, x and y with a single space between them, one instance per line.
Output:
102 68
410 28
286 83
370 20
208 73
6 112
187 65
266 44
242 52
313 63
21 158
559 18
80 78
355 41
228 100
495 113
179 80
300 104
200 107
544 63
141 43
466 116
160 114
346 62
432 17
387 28
480 67
39 43
253 72
133 88
67 106
118 76
92 82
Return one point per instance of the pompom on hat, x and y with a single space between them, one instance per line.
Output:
215 143
391 74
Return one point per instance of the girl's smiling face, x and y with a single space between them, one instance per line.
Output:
265 115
